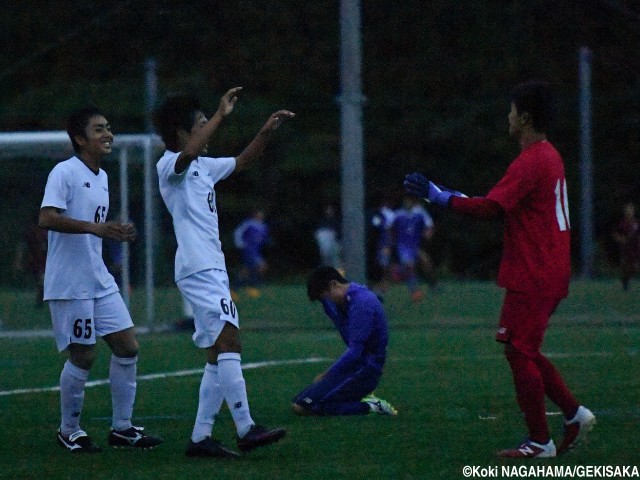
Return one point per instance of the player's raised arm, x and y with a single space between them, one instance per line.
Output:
259 143
203 133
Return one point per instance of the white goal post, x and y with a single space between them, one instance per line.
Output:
55 145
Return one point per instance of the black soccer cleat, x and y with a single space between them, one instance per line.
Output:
259 436
78 442
209 448
133 437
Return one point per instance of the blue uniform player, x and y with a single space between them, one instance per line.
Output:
411 225
346 387
250 237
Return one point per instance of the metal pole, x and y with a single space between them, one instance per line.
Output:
124 217
149 229
586 165
352 155
151 91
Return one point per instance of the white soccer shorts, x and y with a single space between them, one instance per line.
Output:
209 294
81 321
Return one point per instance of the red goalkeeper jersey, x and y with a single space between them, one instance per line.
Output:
533 196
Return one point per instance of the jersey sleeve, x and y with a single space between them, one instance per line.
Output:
167 168
57 192
516 184
476 206
219 168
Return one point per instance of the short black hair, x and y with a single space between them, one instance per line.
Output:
319 279
535 98
177 112
78 120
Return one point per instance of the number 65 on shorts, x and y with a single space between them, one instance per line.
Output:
82 321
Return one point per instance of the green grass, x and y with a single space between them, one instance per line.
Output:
444 373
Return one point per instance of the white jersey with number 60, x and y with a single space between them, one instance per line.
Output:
191 199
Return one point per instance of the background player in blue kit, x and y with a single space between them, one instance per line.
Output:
381 246
83 296
250 237
187 179
411 224
346 387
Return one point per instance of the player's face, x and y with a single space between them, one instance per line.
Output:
515 122
98 139
198 123
334 293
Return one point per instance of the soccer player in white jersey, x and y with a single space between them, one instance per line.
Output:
187 178
83 297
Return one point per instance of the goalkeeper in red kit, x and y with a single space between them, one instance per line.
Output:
535 268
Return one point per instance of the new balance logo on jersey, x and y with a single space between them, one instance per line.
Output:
196 173
87 185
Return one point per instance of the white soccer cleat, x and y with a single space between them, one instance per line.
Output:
576 429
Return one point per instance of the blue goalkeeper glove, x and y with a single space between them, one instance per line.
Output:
417 184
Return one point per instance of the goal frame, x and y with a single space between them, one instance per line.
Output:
56 145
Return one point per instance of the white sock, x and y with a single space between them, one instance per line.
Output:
122 377
211 398
72 381
234 390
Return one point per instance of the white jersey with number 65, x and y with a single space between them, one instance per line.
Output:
75 268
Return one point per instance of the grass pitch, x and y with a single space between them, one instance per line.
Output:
445 374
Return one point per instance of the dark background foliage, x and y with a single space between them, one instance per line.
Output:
436 76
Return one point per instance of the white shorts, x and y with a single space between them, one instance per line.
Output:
210 297
81 321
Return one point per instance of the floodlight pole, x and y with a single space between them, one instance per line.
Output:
352 154
587 250
151 84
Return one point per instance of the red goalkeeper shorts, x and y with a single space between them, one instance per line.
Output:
524 319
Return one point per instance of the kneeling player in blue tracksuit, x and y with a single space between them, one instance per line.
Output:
346 387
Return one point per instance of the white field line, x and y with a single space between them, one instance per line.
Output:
492 356
179 373
271 363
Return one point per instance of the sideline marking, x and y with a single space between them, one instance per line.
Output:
598 412
497 356
179 373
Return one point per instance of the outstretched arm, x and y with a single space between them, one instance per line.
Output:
261 140
201 136
481 207
417 184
